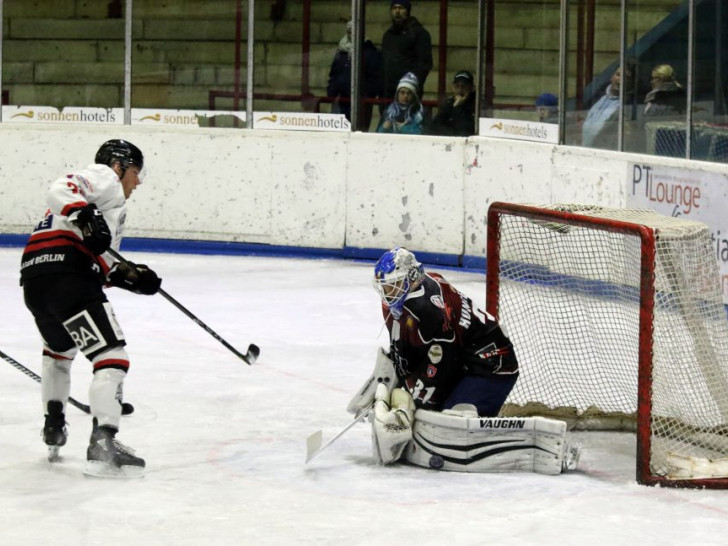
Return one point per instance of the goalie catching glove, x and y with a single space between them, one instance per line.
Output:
137 278
95 230
392 423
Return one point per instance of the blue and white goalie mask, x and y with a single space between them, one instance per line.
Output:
395 274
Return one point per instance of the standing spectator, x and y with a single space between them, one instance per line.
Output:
406 47
547 108
404 115
667 97
339 85
601 124
456 114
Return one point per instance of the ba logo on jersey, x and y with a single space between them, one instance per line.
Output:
437 301
431 371
84 332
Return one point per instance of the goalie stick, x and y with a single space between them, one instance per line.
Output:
251 354
314 445
126 408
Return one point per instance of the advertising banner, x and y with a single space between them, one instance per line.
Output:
686 193
519 130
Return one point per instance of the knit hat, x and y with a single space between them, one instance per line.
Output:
546 99
406 3
464 75
410 81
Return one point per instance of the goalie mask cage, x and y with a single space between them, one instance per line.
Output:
617 320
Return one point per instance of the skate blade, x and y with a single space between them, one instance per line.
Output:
54 453
98 469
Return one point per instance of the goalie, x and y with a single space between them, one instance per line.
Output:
456 367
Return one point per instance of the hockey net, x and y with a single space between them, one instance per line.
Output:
617 320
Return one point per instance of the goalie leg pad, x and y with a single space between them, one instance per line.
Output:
458 441
392 424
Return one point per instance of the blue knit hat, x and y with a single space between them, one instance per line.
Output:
406 3
546 99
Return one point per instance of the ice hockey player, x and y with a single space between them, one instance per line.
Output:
456 367
63 271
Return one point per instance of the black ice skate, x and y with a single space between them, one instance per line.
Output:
106 457
54 431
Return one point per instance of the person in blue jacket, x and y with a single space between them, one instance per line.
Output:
404 115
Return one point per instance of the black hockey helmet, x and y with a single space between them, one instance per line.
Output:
121 151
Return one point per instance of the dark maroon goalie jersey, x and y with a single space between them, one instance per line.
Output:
441 337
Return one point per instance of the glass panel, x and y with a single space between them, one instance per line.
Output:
188 59
657 39
710 122
407 35
593 78
525 61
63 54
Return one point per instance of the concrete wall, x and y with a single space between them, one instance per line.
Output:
321 190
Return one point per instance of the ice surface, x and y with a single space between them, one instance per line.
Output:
225 443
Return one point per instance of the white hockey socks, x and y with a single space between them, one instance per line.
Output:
102 396
56 376
392 423
461 441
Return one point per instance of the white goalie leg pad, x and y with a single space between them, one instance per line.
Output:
56 376
102 396
463 442
392 424
383 374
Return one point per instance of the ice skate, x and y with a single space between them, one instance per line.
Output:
54 432
106 457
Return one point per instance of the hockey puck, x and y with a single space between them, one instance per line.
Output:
127 408
436 462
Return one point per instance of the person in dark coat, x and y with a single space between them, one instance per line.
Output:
667 97
456 115
406 47
339 85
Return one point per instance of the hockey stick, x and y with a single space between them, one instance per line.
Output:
313 442
10 360
253 350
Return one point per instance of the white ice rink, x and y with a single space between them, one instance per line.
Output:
225 442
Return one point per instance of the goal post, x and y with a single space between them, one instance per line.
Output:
617 320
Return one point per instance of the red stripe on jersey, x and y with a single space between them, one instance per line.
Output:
111 363
65 211
43 235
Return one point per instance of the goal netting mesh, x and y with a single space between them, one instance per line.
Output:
571 298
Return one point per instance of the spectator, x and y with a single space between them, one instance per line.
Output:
456 114
547 108
404 115
667 97
600 126
339 85
406 47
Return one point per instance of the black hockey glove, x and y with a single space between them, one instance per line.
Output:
95 230
137 278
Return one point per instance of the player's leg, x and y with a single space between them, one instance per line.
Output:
486 393
99 336
59 351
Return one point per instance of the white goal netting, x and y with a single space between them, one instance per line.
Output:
571 297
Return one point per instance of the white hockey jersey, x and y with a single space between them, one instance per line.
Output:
56 244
